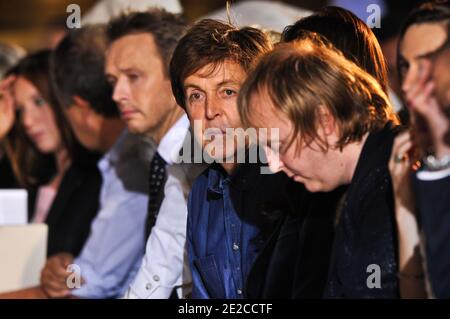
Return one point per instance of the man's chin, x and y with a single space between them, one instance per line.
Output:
92 145
134 128
311 186
317 187
221 157
217 157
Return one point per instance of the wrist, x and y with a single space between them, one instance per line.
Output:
442 150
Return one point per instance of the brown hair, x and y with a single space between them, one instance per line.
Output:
302 75
31 167
213 42
437 11
78 69
429 12
347 33
165 27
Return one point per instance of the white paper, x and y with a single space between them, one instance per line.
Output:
13 207
23 251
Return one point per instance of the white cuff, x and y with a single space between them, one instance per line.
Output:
433 175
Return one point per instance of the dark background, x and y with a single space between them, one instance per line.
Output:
28 22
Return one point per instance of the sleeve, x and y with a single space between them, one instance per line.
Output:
433 200
162 267
425 175
114 248
377 256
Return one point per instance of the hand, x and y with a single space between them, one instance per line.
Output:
400 170
54 275
26 293
7 112
419 92
409 258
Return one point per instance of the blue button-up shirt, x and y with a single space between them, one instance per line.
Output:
114 249
222 243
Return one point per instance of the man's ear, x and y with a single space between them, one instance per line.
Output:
82 105
326 120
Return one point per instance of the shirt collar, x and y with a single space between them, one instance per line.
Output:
215 176
171 143
375 151
244 176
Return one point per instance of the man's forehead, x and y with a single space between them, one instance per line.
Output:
132 50
218 73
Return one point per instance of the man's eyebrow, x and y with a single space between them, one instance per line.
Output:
190 85
128 69
227 82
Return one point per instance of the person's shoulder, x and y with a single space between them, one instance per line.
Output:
187 173
82 176
137 149
132 164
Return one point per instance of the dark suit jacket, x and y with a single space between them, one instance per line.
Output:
433 202
366 232
7 179
294 262
73 209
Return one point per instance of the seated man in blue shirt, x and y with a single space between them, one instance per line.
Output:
226 227
111 255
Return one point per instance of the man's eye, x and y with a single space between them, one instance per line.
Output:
133 77
111 82
229 92
194 97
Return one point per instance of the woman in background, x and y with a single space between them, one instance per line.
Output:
62 180
9 56
424 70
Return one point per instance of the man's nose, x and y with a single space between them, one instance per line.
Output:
273 159
212 108
121 91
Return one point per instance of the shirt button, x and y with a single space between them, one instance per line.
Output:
156 278
239 292
235 246
148 286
